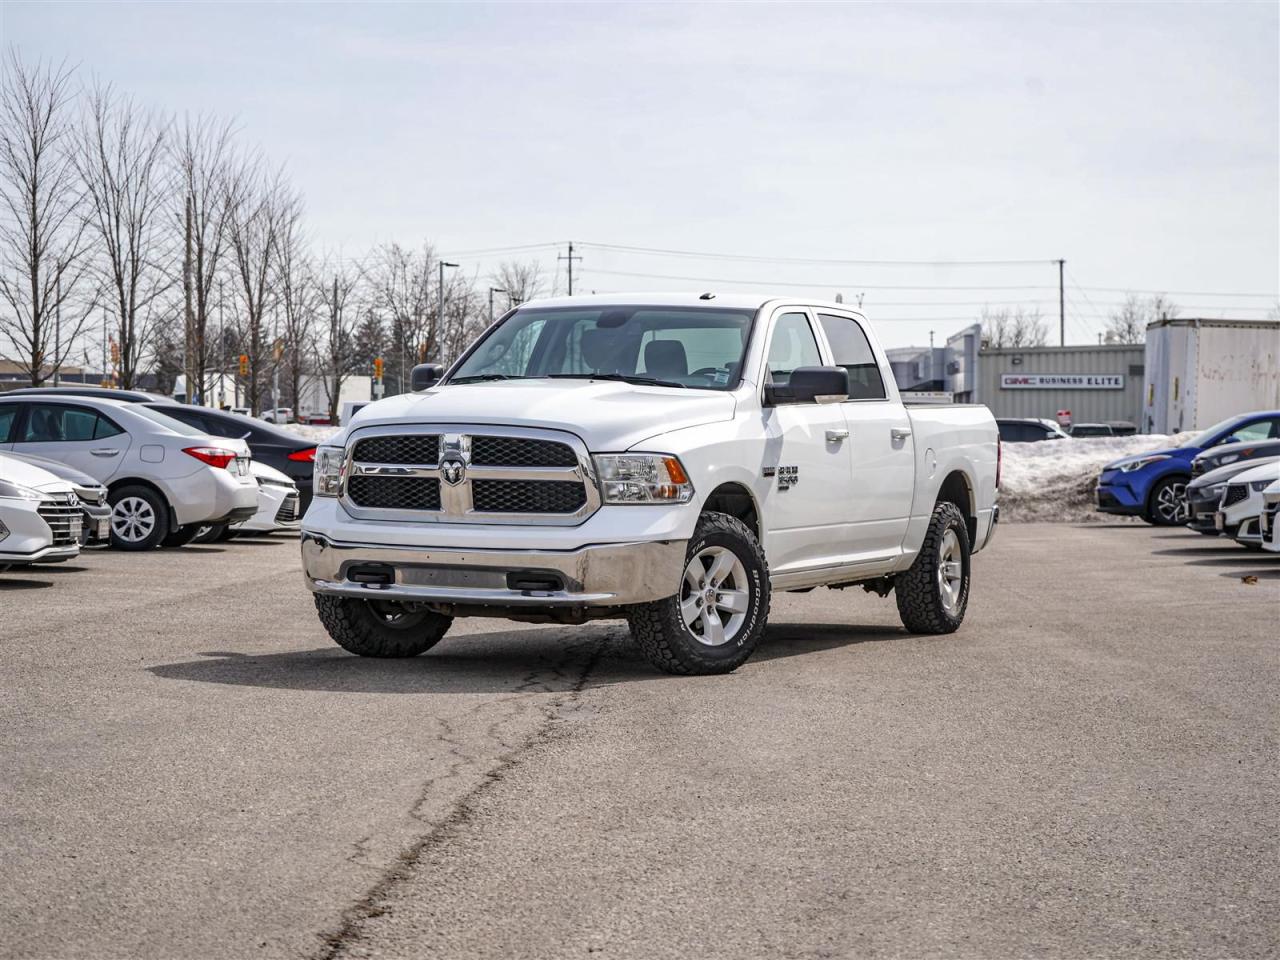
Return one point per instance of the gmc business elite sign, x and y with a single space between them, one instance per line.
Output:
1062 381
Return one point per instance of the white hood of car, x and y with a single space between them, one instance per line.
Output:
263 471
606 415
28 475
1268 471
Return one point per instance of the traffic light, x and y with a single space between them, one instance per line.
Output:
244 364
377 368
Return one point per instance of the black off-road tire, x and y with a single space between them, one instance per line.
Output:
919 590
660 631
362 627
182 536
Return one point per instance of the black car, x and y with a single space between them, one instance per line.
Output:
1029 430
1228 453
277 448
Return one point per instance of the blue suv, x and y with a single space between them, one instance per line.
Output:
1153 485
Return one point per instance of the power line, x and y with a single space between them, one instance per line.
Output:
746 258
809 285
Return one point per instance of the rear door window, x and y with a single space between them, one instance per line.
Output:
852 350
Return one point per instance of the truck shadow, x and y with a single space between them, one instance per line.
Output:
528 661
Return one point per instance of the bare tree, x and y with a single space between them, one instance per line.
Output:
1129 323
465 317
402 280
259 208
521 279
299 303
43 270
120 158
200 151
336 353
1013 328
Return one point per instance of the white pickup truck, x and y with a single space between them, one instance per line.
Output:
670 460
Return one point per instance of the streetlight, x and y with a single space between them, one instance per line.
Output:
492 291
440 305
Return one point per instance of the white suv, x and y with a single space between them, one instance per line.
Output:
164 479
40 517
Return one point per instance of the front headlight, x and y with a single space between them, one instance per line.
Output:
1215 491
1141 462
16 491
642 478
327 471
1257 486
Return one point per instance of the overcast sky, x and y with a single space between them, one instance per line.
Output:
1139 142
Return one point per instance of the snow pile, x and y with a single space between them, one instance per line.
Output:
1055 479
308 432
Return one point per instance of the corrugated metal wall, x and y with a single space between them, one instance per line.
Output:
1086 405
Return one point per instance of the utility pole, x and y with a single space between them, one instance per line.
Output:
226 359
492 291
440 304
1062 305
189 353
570 258
57 333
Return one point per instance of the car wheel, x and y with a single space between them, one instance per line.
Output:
182 536
228 532
139 518
381 628
934 593
713 624
208 534
1167 504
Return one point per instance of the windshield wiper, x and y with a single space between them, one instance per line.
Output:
622 377
480 377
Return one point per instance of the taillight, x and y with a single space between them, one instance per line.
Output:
304 456
999 458
219 457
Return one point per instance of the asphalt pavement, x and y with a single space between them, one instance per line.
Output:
1088 767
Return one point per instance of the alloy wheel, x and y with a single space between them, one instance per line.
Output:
1171 502
133 519
715 596
950 572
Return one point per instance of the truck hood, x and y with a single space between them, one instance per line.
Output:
606 415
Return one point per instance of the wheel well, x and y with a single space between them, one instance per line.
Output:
955 489
735 500
115 485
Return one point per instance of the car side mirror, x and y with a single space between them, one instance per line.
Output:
810 385
425 375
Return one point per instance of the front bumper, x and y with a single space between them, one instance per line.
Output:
1115 494
1269 527
596 575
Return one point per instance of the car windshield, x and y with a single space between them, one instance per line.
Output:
700 348
1206 437
177 426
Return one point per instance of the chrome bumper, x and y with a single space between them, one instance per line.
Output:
600 575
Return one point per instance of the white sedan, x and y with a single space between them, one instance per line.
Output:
277 507
163 477
40 517
1240 509
1269 520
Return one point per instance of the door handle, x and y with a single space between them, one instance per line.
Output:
899 433
835 436
105 452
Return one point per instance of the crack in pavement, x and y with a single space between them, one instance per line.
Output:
372 903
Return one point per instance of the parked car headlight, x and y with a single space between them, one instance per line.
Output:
4 531
642 478
16 491
1132 465
327 472
1259 485
1215 490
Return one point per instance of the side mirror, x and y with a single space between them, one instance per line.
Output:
425 375
810 385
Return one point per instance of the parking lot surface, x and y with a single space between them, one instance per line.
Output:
192 769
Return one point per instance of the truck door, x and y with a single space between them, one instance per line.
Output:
805 457
881 447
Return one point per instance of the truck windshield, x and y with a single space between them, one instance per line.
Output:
700 348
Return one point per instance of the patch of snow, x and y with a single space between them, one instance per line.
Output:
1055 480
315 434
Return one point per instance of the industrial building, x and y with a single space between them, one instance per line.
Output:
1098 384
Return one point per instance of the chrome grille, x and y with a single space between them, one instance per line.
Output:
395 493
520 452
65 519
1235 493
462 474
411 448
527 496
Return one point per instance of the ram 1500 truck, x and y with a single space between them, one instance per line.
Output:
670 460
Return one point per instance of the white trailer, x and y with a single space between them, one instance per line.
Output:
1199 372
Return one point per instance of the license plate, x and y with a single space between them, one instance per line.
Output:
102 529
77 527
242 467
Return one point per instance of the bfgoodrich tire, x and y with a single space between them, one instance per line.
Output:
381 628
716 620
933 595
